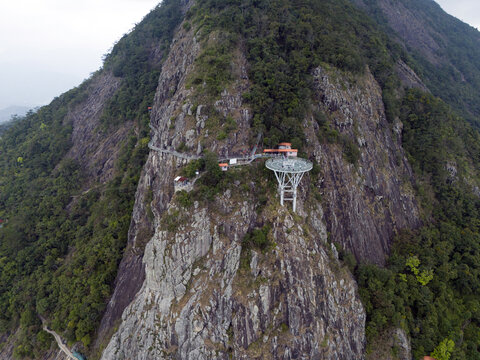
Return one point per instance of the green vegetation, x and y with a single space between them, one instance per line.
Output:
192 167
134 59
327 135
454 76
443 350
431 286
284 42
60 249
257 239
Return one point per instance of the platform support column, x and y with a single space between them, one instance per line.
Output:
288 183
294 199
289 173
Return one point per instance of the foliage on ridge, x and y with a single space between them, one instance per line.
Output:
454 76
284 42
431 285
60 248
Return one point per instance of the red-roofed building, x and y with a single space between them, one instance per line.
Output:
181 181
285 145
284 148
223 166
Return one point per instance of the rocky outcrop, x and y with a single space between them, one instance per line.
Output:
393 344
96 149
408 77
158 174
365 203
198 302
206 296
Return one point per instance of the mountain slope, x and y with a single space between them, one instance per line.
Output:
98 241
67 186
444 51
218 283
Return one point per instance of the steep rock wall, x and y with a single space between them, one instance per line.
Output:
198 299
157 174
96 149
365 203
197 302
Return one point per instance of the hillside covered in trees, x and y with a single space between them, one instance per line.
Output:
78 180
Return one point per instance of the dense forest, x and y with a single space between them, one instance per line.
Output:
284 42
445 52
61 243
431 284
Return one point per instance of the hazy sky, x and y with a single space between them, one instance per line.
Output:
466 10
50 46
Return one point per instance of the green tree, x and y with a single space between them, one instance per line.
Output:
444 350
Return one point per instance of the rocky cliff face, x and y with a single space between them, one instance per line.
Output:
197 303
205 295
367 202
94 149
412 26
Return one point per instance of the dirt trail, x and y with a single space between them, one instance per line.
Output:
60 343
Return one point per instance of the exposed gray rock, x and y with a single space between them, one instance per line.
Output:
408 77
365 203
293 302
401 341
299 306
158 173
94 149
393 344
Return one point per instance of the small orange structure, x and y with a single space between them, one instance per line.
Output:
284 148
286 152
285 145
428 358
223 166
181 181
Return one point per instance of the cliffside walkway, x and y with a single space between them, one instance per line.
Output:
245 160
189 157
60 343
180 155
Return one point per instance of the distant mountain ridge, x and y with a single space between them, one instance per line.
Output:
444 51
7 113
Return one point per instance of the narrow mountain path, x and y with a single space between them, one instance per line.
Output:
241 160
59 341
174 153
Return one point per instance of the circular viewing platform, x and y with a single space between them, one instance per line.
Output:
290 165
289 173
